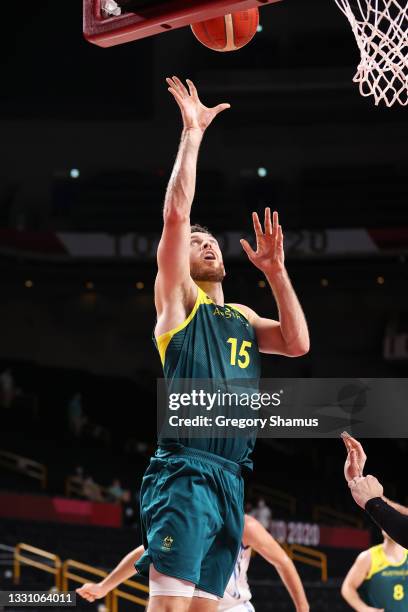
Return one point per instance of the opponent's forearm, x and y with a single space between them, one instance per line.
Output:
123 571
293 584
181 187
353 598
396 505
392 522
292 320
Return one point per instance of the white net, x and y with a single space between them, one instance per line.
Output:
381 31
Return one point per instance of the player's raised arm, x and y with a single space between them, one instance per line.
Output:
256 536
173 253
289 336
354 579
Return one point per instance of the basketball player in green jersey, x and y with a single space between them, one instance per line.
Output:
192 492
378 579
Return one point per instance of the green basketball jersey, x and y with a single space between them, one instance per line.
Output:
386 585
214 342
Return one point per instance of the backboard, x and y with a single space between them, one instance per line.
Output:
154 17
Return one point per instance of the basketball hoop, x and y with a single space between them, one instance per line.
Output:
381 31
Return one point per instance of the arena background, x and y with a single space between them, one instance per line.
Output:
88 138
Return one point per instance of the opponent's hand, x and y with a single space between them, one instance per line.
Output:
269 256
91 591
365 488
195 114
356 457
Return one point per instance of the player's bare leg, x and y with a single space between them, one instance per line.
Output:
202 604
165 603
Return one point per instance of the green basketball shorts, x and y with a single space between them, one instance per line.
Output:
192 517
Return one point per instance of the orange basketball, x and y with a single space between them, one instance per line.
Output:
227 33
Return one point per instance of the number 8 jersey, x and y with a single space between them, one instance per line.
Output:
386 586
214 342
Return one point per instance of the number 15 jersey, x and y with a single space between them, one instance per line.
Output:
214 342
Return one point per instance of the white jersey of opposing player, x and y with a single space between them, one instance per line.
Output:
237 592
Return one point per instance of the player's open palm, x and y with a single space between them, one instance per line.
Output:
356 457
91 591
194 113
269 255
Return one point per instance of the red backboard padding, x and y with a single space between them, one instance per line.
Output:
156 19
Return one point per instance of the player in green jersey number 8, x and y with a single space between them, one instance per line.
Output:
377 579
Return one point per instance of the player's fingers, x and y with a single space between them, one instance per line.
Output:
280 237
192 89
172 83
177 96
356 445
359 449
221 107
180 86
247 248
346 444
352 440
354 463
257 225
275 224
268 221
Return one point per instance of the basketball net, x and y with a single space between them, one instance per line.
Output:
381 31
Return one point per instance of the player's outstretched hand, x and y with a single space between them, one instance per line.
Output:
365 488
269 256
91 591
356 457
195 114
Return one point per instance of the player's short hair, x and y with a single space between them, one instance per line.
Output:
200 228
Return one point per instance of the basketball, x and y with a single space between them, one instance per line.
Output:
227 33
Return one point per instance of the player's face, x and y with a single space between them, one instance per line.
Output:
205 258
